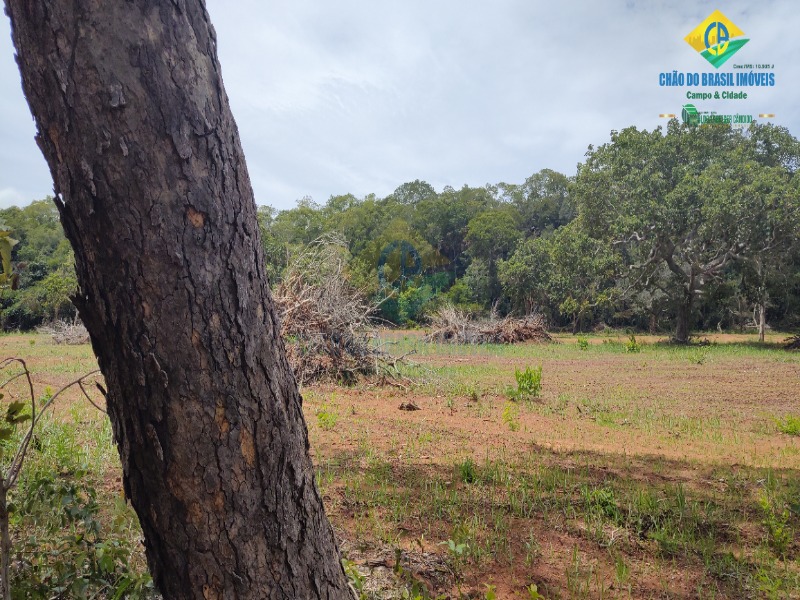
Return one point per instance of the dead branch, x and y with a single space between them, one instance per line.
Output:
792 343
63 332
454 326
326 323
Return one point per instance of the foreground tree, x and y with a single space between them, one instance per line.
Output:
691 199
154 196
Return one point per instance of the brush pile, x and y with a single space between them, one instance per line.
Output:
792 343
325 321
63 332
454 326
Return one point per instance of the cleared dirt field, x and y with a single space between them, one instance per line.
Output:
666 472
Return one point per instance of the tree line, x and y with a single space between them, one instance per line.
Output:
676 229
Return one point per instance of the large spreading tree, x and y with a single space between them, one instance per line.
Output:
684 204
154 196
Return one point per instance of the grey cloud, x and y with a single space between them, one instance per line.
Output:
359 97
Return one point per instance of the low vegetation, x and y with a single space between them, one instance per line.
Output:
529 471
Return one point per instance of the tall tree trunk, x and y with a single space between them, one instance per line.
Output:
763 297
682 330
154 196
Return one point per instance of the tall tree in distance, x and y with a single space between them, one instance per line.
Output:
492 236
691 199
155 198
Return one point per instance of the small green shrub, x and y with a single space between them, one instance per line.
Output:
789 425
601 501
64 550
632 345
326 417
533 592
357 580
458 554
583 342
776 522
529 384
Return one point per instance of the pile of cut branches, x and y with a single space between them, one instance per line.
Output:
325 321
63 332
792 343
454 326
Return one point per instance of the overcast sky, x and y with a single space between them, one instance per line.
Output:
359 97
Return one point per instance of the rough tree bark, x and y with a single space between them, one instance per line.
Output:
155 198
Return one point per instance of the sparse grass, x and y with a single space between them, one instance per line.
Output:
662 473
691 527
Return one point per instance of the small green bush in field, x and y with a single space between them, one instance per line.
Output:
467 471
65 546
583 342
789 425
776 522
327 417
632 345
529 384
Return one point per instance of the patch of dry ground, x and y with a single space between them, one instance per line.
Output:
702 421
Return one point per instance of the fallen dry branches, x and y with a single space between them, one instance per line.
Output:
325 321
454 326
65 333
792 343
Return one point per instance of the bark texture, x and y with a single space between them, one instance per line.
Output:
154 196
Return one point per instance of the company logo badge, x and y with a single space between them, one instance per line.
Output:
716 39
690 115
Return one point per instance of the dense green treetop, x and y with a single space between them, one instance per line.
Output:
683 226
